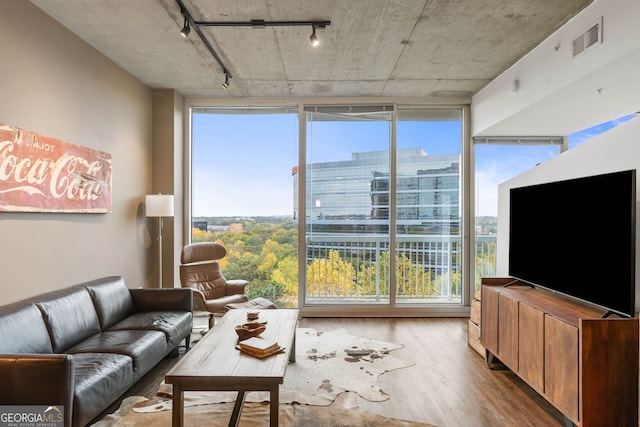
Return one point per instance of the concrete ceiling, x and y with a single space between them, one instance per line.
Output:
372 48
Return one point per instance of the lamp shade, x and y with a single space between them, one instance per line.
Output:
158 205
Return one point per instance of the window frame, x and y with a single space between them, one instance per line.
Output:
467 216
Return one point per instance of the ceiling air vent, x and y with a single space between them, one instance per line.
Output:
589 38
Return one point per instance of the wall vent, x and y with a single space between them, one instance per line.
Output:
588 39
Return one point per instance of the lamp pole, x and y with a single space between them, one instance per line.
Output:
160 252
159 205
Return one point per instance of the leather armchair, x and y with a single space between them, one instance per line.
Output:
200 271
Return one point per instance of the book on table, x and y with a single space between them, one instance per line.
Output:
259 345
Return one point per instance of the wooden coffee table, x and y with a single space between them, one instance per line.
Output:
214 364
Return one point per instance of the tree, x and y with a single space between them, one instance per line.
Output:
198 235
286 273
373 277
413 280
331 276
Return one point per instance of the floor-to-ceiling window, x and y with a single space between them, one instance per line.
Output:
498 160
428 206
347 204
242 194
383 205
375 194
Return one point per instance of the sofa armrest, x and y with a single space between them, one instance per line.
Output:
38 379
174 299
236 286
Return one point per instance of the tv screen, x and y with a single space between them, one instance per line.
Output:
577 237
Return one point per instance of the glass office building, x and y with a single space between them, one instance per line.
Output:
353 196
348 217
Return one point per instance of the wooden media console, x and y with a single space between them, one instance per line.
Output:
584 364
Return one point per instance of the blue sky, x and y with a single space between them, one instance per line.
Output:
579 137
242 169
242 163
498 163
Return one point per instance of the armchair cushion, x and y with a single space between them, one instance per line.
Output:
206 277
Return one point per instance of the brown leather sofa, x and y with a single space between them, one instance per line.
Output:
82 347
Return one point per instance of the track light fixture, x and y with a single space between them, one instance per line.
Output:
186 28
314 39
255 23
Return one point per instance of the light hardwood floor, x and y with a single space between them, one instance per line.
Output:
450 384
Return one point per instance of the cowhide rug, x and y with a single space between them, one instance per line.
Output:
344 412
327 364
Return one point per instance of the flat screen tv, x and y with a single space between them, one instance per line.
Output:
577 237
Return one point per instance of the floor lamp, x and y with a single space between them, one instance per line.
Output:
159 205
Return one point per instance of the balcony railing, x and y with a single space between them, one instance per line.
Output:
355 269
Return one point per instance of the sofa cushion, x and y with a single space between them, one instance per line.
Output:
70 317
111 298
174 324
22 330
99 380
146 348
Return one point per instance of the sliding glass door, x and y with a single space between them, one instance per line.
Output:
383 205
428 206
347 204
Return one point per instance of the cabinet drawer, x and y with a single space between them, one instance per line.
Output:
474 339
474 316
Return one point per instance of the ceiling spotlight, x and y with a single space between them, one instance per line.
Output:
186 28
227 80
314 39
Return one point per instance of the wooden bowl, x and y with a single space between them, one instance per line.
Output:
248 330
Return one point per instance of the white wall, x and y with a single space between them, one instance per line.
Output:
55 84
615 150
559 94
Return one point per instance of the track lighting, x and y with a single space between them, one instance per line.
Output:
314 39
186 28
189 21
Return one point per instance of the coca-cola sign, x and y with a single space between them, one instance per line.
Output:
43 174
